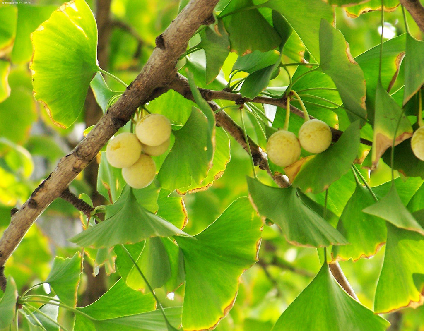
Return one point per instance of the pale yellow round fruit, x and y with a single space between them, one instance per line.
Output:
140 174
283 148
315 136
156 150
123 150
417 143
153 129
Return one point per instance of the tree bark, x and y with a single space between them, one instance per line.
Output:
154 77
415 8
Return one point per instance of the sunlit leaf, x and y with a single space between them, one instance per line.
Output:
189 159
8 304
307 25
414 67
214 260
370 5
389 122
64 278
47 316
215 43
126 213
8 17
392 209
120 300
325 306
172 208
63 70
300 225
322 170
29 18
404 258
4 86
337 62
256 61
366 233
18 111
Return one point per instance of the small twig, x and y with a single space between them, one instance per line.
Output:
79 204
415 8
342 280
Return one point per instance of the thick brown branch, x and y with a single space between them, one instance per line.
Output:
415 8
157 73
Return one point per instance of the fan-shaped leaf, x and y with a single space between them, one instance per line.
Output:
125 214
325 306
64 278
404 258
337 62
414 66
318 173
300 225
63 69
214 260
8 304
8 17
392 209
371 5
366 233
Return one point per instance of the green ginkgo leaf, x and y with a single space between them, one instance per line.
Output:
64 278
190 157
126 213
325 306
337 62
414 66
62 70
120 300
368 6
390 124
317 174
366 233
392 209
404 258
8 17
8 304
300 225
214 260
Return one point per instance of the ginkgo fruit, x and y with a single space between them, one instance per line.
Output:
153 129
315 136
141 173
417 143
156 150
123 150
283 148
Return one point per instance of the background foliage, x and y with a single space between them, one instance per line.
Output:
210 237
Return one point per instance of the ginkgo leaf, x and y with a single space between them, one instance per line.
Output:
189 159
8 304
414 64
392 209
366 233
126 213
214 260
62 70
404 258
370 5
120 300
325 306
337 62
300 225
64 278
390 124
319 172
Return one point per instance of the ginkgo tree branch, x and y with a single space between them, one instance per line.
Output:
415 8
158 72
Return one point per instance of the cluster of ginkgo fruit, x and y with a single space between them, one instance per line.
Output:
284 148
133 151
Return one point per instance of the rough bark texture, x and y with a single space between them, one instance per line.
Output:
155 75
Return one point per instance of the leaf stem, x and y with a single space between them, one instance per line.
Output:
288 111
306 117
359 174
112 76
247 144
148 285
